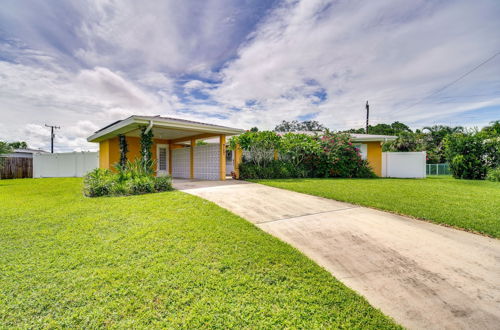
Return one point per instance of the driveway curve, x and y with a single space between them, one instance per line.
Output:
423 275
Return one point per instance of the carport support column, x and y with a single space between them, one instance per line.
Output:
222 149
191 158
170 159
238 156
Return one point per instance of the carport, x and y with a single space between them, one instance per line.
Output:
176 149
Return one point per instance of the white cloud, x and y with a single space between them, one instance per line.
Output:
384 51
302 58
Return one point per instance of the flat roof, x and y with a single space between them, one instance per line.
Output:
163 127
372 137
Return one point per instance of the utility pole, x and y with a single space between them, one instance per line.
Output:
52 136
367 115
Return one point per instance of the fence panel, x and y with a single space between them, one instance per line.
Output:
68 164
438 169
404 164
16 168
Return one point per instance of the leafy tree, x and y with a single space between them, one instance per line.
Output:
406 141
254 129
493 130
19 145
466 154
295 126
385 129
260 146
297 147
5 148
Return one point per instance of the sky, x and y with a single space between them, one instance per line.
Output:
81 65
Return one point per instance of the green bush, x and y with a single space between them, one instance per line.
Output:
98 182
493 174
131 179
163 183
468 156
275 169
339 159
141 185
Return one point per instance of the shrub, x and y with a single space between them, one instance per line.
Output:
467 155
259 145
276 169
297 147
98 182
493 174
339 158
131 179
141 185
163 183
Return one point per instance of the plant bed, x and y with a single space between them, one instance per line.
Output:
133 178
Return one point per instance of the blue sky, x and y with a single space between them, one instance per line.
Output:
82 65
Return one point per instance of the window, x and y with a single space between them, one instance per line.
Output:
363 149
162 159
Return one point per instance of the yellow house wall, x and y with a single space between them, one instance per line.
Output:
104 154
374 156
109 150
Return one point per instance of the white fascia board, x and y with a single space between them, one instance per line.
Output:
373 139
134 122
113 130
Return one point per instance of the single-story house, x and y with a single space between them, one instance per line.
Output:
371 148
175 149
177 153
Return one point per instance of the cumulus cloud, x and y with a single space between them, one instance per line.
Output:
82 65
383 51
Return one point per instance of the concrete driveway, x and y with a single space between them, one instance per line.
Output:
425 276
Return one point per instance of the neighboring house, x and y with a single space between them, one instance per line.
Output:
174 145
24 153
18 164
370 147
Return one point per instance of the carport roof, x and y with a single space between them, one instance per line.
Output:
163 127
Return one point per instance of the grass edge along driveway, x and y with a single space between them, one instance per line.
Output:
467 204
157 260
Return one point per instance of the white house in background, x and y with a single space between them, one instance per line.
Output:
24 153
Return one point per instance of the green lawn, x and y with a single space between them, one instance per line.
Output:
467 204
157 260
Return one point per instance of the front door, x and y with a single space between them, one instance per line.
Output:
162 161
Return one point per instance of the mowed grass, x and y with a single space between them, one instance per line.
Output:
468 204
159 260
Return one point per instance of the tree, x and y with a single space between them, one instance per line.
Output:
18 145
467 155
5 148
254 129
493 130
296 147
295 126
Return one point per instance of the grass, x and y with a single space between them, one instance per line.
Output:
159 260
467 204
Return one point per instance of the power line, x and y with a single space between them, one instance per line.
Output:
453 82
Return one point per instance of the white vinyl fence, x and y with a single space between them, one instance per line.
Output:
404 164
68 164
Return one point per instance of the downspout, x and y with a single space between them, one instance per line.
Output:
150 126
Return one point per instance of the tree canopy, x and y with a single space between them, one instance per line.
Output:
297 126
